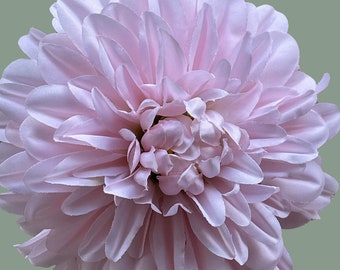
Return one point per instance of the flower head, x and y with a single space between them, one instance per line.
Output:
162 135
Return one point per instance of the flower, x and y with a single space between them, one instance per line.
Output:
162 135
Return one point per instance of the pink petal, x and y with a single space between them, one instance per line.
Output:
309 127
124 228
258 193
243 170
283 61
96 25
112 55
53 104
13 203
210 167
330 114
12 171
191 181
126 187
92 248
323 84
84 200
237 209
72 237
58 64
264 226
70 15
23 71
241 62
36 252
150 44
36 138
170 255
172 61
210 202
271 20
124 15
29 44
310 181
264 135
293 150
194 81
203 46
217 240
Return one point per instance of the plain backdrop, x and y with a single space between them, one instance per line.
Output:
315 26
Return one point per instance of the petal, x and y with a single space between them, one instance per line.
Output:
84 200
323 84
53 104
127 187
258 193
193 81
243 170
97 25
124 15
264 135
330 114
297 106
149 48
217 240
309 127
124 228
264 226
271 20
203 46
310 180
172 61
283 60
210 202
210 167
72 237
92 248
241 61
36 252
195 107
170 255
237 209
70 15
12 171
12 102
191 181
13 203
36 138
293 150
29 44
58 64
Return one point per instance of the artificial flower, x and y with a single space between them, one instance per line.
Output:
162 134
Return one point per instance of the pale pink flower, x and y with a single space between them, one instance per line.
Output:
162 134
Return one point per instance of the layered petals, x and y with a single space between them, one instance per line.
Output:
158 134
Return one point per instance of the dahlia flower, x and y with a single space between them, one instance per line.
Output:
162 134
